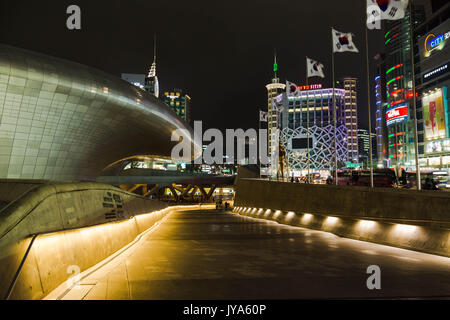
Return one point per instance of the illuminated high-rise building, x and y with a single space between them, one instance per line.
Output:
364 147
380 113
399 114
432 83
273 90
179 102
351 117
312 108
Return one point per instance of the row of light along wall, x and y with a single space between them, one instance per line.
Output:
330 221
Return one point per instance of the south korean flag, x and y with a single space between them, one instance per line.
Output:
262 116
343 42
315 68
378 10
292 89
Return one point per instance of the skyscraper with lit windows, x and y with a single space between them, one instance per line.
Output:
179 102
351 117
380 113
273 90
399 114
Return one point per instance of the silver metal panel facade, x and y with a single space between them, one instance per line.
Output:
61 120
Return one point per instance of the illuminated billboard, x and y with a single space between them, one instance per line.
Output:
434 115
397 114
435 40
437 146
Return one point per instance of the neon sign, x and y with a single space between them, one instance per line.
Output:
397 114
433 42
436 72
310 87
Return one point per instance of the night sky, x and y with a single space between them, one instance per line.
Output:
220 53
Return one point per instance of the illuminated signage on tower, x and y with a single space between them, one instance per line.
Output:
397 114
435 40
310 87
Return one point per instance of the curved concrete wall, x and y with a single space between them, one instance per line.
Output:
73 211
13 189
406 206
416 220
61 120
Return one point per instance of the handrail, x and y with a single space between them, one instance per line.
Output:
19 269
101 187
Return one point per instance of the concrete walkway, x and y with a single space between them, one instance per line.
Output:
209 254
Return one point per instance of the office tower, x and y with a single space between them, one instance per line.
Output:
318 102
179 102
351 117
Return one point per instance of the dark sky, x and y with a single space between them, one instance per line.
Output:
219 52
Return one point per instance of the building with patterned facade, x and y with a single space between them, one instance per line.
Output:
318 103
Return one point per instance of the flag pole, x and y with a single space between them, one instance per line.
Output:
307 126
413 75
334 111
259 145
368 105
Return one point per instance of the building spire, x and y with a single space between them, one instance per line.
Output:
152 80
275 64
154 48
152 72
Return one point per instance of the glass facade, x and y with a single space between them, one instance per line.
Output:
319 105
399 86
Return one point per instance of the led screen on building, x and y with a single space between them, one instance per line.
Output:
434 115
396 114
302 143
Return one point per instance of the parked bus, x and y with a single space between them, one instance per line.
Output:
382 178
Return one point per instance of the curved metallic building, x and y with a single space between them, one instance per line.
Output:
61 120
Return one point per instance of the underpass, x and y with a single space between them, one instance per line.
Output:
207 254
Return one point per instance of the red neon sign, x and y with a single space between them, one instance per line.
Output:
409 95
397 102
396 92
310 87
